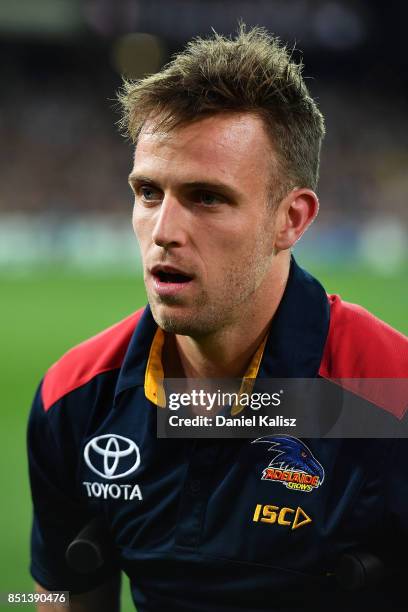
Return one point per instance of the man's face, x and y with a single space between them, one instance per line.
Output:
203 221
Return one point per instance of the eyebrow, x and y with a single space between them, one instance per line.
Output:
139 178
203 185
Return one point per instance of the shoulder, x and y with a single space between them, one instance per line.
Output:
99 354
359 345
366 356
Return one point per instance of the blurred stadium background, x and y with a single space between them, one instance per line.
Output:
69 264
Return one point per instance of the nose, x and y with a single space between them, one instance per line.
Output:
170 224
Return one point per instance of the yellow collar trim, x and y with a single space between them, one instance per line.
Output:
154 376
250 375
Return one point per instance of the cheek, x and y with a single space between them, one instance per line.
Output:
227 256
249 253
141 228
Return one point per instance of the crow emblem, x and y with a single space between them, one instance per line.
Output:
293 464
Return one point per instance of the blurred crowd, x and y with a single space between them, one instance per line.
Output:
365 154
64 196
62 152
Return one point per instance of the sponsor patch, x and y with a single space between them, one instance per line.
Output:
114 491
285 517
112 456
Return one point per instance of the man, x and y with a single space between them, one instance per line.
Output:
224 177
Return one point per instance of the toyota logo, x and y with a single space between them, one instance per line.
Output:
112 456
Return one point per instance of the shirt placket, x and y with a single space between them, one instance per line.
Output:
196 492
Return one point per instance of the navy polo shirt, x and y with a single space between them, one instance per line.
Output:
194 523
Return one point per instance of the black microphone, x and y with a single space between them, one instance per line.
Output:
358 569
87 552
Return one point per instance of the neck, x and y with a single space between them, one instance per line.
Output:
228 352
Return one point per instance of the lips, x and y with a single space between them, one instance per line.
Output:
169 280
170 274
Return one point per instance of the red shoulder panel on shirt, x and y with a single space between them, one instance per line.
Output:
359 346
99 354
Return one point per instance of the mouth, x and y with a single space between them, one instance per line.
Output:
168 280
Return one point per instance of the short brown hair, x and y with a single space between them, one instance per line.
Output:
252 72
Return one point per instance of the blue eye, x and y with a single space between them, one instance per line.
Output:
148 193
207 198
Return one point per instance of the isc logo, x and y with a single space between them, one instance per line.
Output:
287 517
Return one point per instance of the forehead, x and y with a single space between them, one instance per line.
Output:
232 148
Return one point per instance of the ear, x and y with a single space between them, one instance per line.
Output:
294 215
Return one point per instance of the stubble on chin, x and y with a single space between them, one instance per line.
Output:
195 321
173 324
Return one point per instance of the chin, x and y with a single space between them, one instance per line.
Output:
175 325
182 324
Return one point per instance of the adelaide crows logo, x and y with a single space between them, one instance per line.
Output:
292 464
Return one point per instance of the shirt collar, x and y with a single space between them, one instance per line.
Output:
154 373
293 347
298 333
